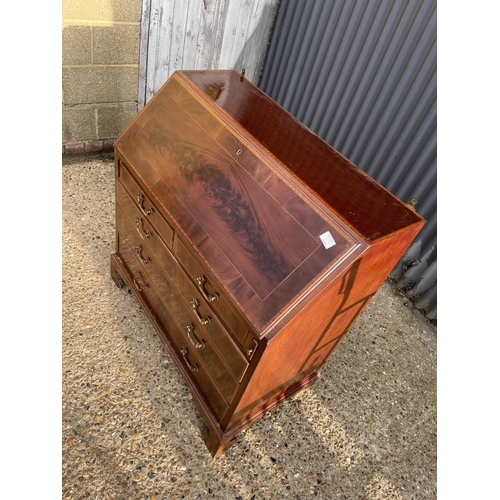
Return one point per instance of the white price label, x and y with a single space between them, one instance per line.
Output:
327 240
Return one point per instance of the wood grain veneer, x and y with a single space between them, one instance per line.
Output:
251 244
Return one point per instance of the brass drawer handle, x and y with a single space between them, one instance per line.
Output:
143 234
203 321
142 287
192 337
138 251
252 350
201 280
140 200
193 368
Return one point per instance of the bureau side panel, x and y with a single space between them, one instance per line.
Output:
304 345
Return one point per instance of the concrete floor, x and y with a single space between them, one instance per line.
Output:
365 430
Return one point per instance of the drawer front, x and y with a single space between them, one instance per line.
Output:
142 203
146 248
151 247
196 338
206 321
222 305
195 334
195 369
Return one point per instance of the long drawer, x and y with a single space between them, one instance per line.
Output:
194 333
190 357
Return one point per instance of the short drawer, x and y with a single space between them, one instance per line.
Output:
187 355
138 201
205 284
147 246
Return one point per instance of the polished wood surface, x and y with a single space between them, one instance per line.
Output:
255 231
331 314
355 196
251 244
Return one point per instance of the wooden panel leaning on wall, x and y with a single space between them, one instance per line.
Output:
251 244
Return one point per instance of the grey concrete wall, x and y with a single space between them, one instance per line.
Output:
100 64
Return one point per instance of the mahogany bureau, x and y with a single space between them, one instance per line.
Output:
251 244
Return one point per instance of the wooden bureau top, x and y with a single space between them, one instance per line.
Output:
272 210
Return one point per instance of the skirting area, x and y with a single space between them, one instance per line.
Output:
78 148
366 429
